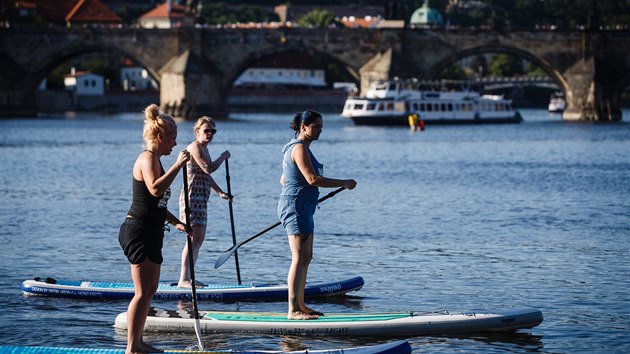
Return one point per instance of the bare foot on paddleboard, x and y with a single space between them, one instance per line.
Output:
299 315
188 284
310 311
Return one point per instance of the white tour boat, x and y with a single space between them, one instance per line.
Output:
391 102
557 104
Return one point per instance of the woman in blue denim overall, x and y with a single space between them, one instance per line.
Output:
302 174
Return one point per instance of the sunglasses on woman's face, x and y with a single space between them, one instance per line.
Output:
213 131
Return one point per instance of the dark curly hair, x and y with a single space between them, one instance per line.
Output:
306 118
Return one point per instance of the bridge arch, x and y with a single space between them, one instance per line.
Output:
547 67
251 60
55 98
48 64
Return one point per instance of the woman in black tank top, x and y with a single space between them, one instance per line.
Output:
142 231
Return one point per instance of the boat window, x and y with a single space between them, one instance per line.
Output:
422 108
381 107
390 106
443 108
371 106
450 107
358 106
429 107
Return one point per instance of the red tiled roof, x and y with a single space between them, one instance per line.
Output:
75 11
91 11
78 74
24 4
161 11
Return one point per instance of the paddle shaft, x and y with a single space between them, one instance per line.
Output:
229 188
224 257
191 261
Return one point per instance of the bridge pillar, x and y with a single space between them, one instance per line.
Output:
16 98
594 83
588 97
580 96
189 90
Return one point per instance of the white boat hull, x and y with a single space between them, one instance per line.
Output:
402 120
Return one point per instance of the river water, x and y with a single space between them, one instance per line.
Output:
460 218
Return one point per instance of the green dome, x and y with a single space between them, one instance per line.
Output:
425 15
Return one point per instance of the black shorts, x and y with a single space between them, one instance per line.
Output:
139 241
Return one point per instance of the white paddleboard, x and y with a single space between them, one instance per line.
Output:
341 324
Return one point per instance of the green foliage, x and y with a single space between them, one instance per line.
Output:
55 78
317 18
100 63
534 70
478 16
560 14
219 13
453 72
479 65
505 65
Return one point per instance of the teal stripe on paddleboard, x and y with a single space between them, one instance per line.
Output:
68 282
161 286
262 317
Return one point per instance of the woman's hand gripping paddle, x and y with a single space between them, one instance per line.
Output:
191 261
227 254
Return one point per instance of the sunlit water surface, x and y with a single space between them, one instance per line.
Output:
473 218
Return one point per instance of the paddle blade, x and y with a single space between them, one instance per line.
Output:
224 257
198 332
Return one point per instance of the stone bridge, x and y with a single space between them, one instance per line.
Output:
198 66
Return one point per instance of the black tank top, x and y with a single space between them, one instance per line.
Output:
146 207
